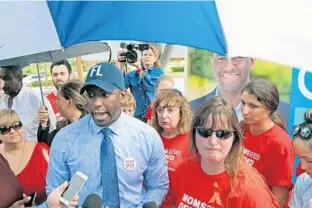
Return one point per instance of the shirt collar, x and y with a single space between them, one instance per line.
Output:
114 127
237 108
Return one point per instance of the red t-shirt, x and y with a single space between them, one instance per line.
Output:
192 188
52 98
149 113
176 150
272 154
33 176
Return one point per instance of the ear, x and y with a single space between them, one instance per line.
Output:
70 103
252 63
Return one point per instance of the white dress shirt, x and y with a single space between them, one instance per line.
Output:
26 104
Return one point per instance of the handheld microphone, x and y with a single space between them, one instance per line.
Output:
92 201
150 204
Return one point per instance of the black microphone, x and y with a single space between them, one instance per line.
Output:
123 45
150 204
92 201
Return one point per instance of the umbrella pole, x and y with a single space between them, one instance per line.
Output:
40 84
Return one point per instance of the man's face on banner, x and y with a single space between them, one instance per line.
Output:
232 74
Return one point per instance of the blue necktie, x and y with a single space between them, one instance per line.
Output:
109 172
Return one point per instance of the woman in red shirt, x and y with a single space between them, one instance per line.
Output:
218 176
27 160
268 147
172 120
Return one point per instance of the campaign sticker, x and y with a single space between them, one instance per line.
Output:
129 163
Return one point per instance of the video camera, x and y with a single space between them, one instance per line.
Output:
130 54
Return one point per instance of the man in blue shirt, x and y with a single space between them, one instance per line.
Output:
232 74
139 153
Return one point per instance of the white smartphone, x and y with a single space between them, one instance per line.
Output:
75 184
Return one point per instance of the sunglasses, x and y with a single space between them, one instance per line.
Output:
220 133
7 129
303 130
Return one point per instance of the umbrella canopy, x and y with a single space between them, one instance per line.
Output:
278 31
60 54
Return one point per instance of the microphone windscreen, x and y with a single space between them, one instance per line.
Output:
123 45
92 201
150 205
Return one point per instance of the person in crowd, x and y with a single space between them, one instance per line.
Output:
268 147
127 103
61 73
123 157
299 170
231 75
53 200
28 160
302 143
11 190
142 81
164 82
71 106
172 120
218 165
25 101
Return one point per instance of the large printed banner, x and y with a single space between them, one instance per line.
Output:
300 99
204 77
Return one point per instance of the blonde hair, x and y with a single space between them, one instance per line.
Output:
156 54
173 98
71 91
8 115
127 100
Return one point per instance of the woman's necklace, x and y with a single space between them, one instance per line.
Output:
19 165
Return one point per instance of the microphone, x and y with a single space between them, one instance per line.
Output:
92 201
123 45
150 204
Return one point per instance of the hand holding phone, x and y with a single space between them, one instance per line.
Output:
31 202
75 184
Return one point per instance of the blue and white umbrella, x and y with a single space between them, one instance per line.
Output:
279 31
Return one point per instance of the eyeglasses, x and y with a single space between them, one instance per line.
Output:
7 129
176 92
303 130
220 133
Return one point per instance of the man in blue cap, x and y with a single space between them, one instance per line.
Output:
117 152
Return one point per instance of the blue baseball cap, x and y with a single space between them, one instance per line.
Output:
105 76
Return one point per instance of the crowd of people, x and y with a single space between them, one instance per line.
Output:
139 140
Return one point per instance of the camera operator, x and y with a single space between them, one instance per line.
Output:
142 81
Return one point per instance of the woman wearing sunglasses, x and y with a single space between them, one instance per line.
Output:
172 120
219 176
268 147
27 160
302 193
